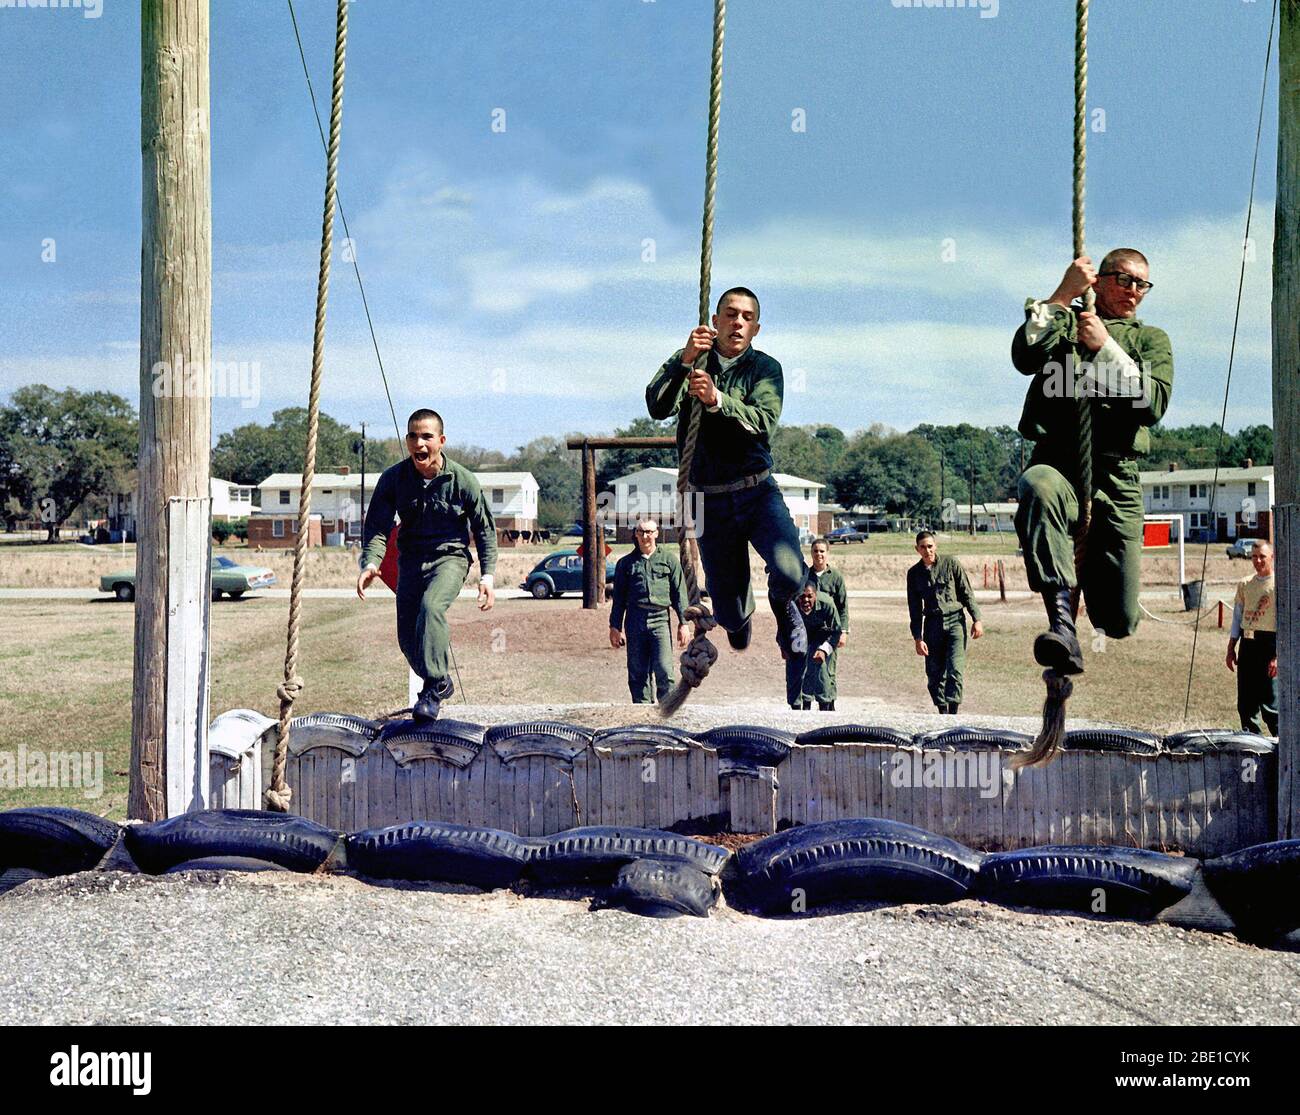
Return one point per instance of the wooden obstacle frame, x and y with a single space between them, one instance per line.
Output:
1202 800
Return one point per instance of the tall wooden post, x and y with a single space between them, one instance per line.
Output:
1286 418
173 500
593 541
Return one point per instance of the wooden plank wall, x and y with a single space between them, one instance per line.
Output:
1205 804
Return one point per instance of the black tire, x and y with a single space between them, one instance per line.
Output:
642 735
292 842
595 853
457 741
855 860
540 590
15 877
236 595
344 724
1133 882
216 594
1123 741
54 840
124 592
434 851
664 890
854 733
555 729
975 739
1199 741
1259 887
748 745
225 863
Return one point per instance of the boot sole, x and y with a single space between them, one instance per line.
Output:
1054 653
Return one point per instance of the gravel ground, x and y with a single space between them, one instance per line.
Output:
112 948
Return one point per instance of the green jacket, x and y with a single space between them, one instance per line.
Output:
1050 414
941 589
656 581
734 441
434 520
832 584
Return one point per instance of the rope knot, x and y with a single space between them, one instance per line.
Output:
290 689
697 659
277 801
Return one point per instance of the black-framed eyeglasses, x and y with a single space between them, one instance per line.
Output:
1126 281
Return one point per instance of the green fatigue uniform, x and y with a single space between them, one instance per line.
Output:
1254 623
938 597
741 503
806 679
437 519
832 584
1046 347
644 589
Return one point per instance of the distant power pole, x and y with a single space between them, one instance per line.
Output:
363 472
972 493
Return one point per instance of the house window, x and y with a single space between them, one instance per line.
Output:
284 496
354 529
807 494
1250 488
666 489
277 528
631 489
293 526
498 495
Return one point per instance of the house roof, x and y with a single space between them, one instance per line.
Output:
293 480
654 470
785 480
1205 475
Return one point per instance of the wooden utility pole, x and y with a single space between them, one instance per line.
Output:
1286 418
593 541
169 695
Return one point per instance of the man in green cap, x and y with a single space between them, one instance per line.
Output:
1122 370
810 676
740 390
440 504
647 583
831 582
938 597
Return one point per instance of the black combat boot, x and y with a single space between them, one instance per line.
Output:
826 706
1058 648
950 709
739 640
435 691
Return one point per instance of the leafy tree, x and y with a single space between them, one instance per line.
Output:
558 471
249 454
60 448
613 463
899 472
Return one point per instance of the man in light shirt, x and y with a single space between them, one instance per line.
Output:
440 504
1252 645
1123 370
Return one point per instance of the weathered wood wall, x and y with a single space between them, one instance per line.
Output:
1205 802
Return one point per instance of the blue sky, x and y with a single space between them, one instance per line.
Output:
505 269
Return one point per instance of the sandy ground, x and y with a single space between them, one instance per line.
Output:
293 949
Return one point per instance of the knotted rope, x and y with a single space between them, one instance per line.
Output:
700 655
278 795
1059 687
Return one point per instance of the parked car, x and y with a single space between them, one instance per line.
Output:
845 534
228 576
1243 547
559 573
575 530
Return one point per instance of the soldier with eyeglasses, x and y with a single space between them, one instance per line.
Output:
1122 370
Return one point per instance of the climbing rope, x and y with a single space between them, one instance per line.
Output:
278 794
700 655
1059 687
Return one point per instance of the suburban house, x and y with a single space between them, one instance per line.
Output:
988 516
1239 507
229 501
338 507
652 491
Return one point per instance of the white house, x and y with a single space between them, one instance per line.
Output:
652 491
229 501
988 516
336 497
1242 502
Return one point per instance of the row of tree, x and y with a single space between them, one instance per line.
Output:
64 450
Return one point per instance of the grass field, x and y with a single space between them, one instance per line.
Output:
65 669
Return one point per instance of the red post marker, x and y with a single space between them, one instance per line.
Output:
388 567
